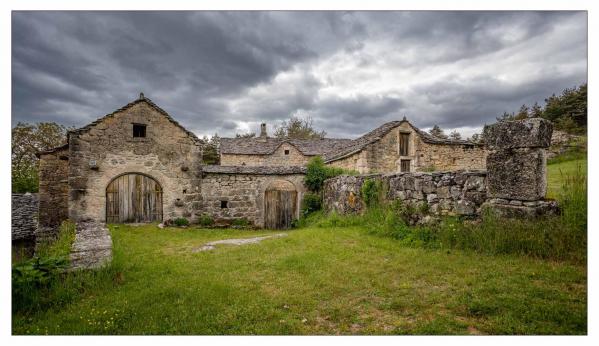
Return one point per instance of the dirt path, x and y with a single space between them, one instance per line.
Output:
241 241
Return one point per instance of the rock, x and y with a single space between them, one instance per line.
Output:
241 241
464 208
529 133
517 174
432 198
92 247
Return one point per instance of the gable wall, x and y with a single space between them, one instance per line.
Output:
162 154
53 193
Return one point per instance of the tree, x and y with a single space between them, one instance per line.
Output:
436 131
245 135
536 111
28 140
476 137
298 128
572 103
455 135
210 153
522 113
506 116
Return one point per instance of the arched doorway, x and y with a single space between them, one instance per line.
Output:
133 197
280 205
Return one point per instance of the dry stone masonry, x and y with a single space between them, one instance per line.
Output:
514 184
24 215
517 167
445 193
92 247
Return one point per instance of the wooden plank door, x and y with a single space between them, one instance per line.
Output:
133 198
279 208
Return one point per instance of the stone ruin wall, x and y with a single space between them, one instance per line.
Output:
444 193
450 157
244 194
514 184
167 153
277 158
53 193
24 215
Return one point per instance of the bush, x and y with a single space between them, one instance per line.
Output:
181 221
310 203
242 222
205 220
371 192
317 172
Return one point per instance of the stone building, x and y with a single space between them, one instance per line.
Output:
396 146
138 164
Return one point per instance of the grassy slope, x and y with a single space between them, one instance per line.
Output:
316 281
557 171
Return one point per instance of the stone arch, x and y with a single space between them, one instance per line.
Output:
133 197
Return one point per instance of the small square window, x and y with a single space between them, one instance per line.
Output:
139 130
224 204
286 151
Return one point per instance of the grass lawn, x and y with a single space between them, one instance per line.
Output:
557 171
315 281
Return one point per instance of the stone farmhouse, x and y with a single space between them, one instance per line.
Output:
138 164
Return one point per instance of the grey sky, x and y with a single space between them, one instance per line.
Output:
226 72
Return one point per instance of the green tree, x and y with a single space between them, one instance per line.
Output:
455 135
437 131
572 103
26 141
298 128
536 111
522 113
210 154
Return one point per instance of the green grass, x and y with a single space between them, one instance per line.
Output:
315 281
557 172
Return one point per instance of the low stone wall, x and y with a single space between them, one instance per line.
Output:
25 208
445 193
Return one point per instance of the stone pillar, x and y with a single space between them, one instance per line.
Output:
517 167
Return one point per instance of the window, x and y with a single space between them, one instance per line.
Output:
286 151
405 165
139 130
224 204
404 140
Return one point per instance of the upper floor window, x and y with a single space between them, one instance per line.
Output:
404 140
139 130
286 151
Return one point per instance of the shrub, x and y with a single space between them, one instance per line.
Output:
242 222
311 203
62 245
371 192
205 220
181 221
317 172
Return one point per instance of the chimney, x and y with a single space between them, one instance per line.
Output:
263 130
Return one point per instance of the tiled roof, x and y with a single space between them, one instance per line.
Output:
265 146
266 170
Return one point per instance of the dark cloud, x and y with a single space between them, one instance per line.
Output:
226 72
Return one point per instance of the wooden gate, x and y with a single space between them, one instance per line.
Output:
133 197
280 205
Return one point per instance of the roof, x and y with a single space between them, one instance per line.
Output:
53 150
255 170
360 143
265 146
141 99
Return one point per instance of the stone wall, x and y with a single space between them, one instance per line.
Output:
24 215
383 155
107 148
444 193
53 192
242 188
277 158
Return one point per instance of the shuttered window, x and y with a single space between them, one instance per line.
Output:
404 140
405 165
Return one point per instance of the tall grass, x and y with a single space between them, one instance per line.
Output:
561 237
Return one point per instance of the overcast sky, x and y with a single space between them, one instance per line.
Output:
226 72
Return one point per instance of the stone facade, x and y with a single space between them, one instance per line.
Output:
243 189
444 193
24 215
53 192
382 153
106 149
285 155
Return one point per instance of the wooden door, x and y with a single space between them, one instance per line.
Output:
279 208
133 198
